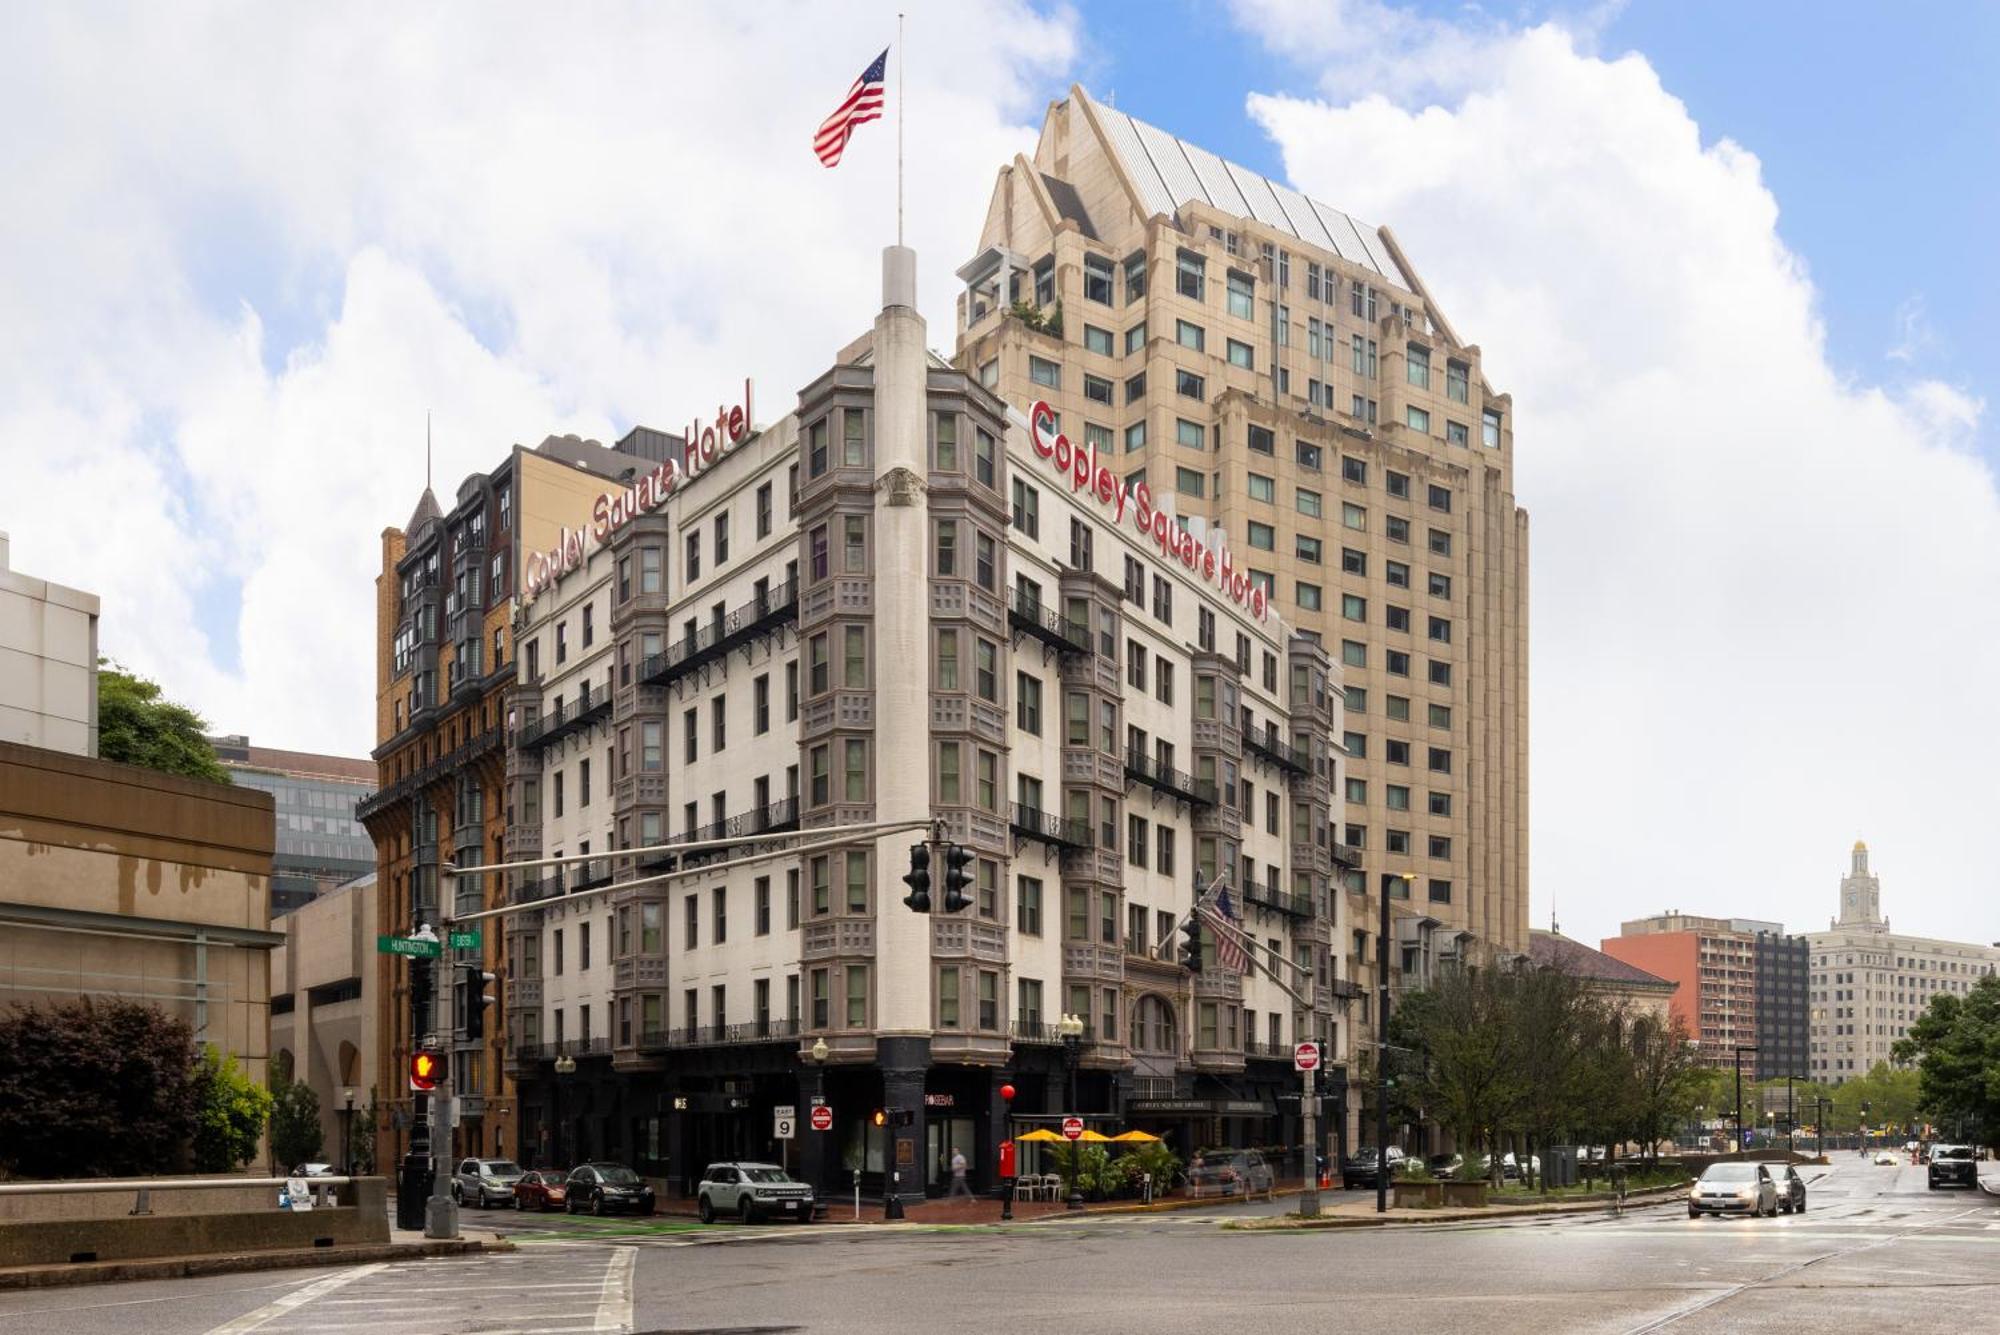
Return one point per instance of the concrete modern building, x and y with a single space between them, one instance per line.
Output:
1641 993
48 663
909 597
444 667
1278 372
117 881
323 1015
1724 968
320 843
1869 983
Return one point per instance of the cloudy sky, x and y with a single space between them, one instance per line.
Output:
1735 271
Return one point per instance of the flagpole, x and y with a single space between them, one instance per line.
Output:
902 94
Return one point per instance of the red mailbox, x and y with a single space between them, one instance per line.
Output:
1006 1158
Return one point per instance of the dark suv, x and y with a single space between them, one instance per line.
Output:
1953 1165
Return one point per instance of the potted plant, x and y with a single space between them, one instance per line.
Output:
1415 1188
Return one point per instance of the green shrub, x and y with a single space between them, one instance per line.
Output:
230 1113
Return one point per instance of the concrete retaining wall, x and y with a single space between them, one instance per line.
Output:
53 1238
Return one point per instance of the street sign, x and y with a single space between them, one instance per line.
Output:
787 1110
463 940
822 1118
783 1124
403 945
1072 1128
1305 1057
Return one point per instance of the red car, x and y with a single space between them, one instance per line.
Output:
545 1190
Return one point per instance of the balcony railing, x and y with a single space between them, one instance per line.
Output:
1269 896
771 1030
1281 754
688 652
535 891
1027 612
566 1047
1048 827
448 764
1034 1031
1147 770
566 718
776 818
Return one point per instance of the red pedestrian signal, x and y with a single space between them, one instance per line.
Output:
425 1068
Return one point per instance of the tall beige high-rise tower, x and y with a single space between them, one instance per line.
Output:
1266 363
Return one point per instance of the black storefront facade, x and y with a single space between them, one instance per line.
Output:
670 1114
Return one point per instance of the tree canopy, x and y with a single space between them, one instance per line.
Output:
1956 1043
137 726
95 1089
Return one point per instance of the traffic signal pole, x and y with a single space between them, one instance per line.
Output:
441 1211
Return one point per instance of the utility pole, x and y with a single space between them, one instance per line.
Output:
441 1211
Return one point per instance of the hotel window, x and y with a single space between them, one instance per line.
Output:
1362 299
854 544
1440 499
1307 549
949 788
946 428
1397 798
1097 389
857 882
760 704
1440 760
857 996
1261 439
1489 429
1097 340
1440 846
1440 542
1417 366
1353 562
1189 385
986 780
1080 547
1397 618
690 736
1455 434
1398 663
1357 791
819 789
816 441
1027 509
1309 597
1188 481
1240 355
792 691
624 577
1440 630
1097 438
1190 335
1396 528
1135 338
1262 536
857 770
1398 753
721 543
1028 906
1262 488
1045 373
1363 358
1097 279
1456 377
1190 434
1163 607
947 1004
1440 673
1353 516
1398 484
819 673
947 547
818 560
1440 804
1417 418
853 438
764 511
1028 703
1440 890
1190 275
1354 653
1355 744
1353 607
1240 290
854 657
989 993
1135 276
986 670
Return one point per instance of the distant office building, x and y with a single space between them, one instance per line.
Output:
320 843
1725 966
48 663
1604 975
1868 984
323 1007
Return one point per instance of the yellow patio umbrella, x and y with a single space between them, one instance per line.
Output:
1135 1138
1041 1134
1095 1136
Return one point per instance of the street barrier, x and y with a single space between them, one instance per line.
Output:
46 1223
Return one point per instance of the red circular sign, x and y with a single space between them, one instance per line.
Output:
1072 1128
822 1118
1305 1057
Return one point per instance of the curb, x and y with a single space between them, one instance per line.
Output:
188 1267
1587 1205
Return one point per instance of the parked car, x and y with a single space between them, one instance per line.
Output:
1886 1157
1733 1188
1791 1188
1359 1168
489 1182
1445 1167
752 1191
545 1189
1953 1165
1230 1173
602 1188
1510 1170
313 1170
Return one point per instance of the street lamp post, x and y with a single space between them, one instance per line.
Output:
818 1052
1791 1117
565 1065
347 1130
1740 1146
1070 1028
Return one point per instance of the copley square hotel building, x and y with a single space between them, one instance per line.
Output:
906 599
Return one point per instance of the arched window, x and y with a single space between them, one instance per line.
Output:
1153 1026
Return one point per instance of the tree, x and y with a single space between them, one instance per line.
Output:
1551 1017
1956 1043
1455 1055
95 1089
1667 1079
296 1137
361 1137
137 727
230 1112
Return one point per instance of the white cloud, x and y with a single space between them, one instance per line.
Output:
1763 620
263 244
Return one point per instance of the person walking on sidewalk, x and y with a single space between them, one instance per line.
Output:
958 1187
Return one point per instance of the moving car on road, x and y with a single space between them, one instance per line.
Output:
545 1189
489 1182
602 1188
1886 1157
1230 1173
1791 1188
1733 1188
752 1191
1953 1165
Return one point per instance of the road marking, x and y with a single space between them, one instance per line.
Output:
295 1299
614 1306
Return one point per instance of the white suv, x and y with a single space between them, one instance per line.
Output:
752 1191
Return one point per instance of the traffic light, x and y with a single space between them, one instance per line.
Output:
895 1117
1191 945
881 1117
476 980
919 881
957 877
425 1068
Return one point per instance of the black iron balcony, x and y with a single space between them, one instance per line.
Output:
533 892
1048 827
1027 612
1269 896
1034 1031
776 818
566 718
418 780
589 875
1167 779
1281 754
688 652
767 1030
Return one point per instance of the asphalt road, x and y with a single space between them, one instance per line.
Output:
1875 1251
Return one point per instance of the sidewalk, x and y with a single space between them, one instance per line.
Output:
403 1245
1362 1214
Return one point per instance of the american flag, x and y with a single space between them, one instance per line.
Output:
1222 919
862 104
